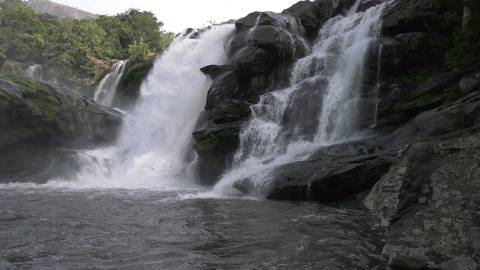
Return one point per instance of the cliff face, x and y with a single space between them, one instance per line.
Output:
43 127
420 155
59 10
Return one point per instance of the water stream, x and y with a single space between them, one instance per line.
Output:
107 88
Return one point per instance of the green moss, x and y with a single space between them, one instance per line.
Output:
135 72
30 84
49 106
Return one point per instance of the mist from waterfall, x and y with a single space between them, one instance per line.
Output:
155 146
107 88
321 107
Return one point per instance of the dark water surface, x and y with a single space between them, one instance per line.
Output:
120 229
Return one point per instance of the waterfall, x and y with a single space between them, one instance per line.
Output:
321 107
107 88
155 146
34 72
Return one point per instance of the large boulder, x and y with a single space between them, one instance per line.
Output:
261 51
39 123
429 199
215 146
331 174
136 71
460 114
398 103
470 83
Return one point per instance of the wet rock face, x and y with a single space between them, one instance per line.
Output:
331 174
37 116
261 51
135 73
430 201
438 16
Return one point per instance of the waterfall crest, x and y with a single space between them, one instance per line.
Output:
321 107
107 88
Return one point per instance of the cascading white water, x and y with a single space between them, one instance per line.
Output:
321 107
34 72
107 88
154 149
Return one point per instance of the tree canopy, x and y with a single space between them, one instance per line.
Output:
26 36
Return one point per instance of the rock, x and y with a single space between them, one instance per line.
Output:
398 105
310 15
40 123
3 58
253 61
430 201
277 41
254 19
366 4
421 49
215 146
470 83
32 110
331 174
128 91
460 114
230 110
214 71
406 16
225 86
471 18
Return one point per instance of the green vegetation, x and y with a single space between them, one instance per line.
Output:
85 48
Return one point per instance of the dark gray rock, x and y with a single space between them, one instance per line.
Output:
214 71
437 16
3 58
215 146
398 104
461 114
41 125
230 110
128 91
430 200
30 110
331 174
311 14
470 83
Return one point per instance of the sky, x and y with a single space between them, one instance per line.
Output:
180 14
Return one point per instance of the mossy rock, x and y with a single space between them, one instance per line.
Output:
136 71
33 110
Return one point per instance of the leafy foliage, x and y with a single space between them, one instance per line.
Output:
80 45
